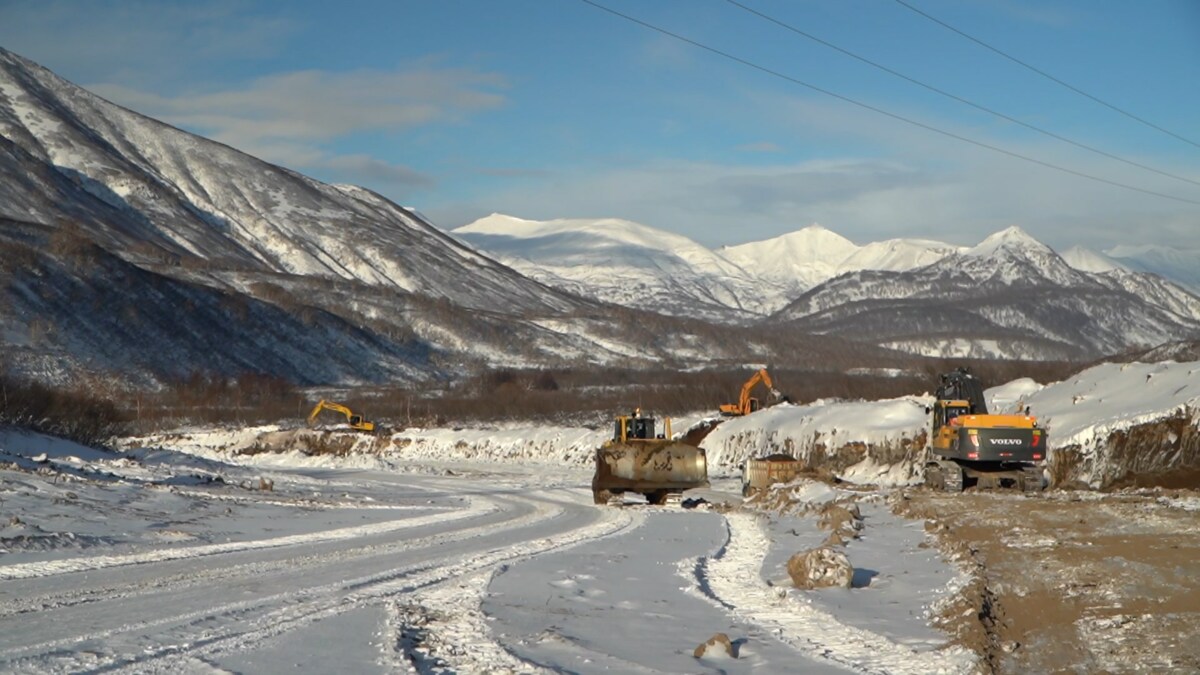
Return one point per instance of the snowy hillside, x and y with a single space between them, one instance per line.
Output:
152 190
222 263
1115 420
800 259
1089 417
1008 297
1087 260
810 256
1180 265
625 263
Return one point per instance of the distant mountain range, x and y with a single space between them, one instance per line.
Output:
128 246
1008 297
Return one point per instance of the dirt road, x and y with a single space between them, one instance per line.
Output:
1072 581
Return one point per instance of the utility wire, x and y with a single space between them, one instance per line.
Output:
960 99
1046 75
881 111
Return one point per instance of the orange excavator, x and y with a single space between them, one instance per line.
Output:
746 403
356 422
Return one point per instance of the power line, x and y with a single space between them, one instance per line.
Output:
866 106
960 99
1046 75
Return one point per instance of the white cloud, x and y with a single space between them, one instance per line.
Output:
293 119
139 41
959 201
321 105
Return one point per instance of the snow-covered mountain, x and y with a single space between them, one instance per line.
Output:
625 263
134 247
1179 265
810 256
1087 260
138 185
130 246
632 264
1009 297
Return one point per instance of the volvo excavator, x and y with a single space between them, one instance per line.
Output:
356 422
970 447
746 403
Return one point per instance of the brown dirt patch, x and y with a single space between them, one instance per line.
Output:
1071 581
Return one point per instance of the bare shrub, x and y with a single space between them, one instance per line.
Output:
70 413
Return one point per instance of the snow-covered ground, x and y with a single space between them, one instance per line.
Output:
156 560
479 550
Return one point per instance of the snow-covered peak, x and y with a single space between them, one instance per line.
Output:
1181 265
1087 260
897 255
1012 239
611 230
624 262
805 257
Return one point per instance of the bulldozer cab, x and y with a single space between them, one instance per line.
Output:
635 427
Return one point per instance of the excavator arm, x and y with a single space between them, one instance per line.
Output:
355 421
746 403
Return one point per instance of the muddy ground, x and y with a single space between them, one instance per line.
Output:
1072 581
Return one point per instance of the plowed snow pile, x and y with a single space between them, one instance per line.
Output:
1122 421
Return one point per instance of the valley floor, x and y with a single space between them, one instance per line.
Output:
160 561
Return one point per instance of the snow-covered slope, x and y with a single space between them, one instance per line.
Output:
807 257
800 259
351 286
622 262
1087 260
154 190
1008 297
1118 420
1179 265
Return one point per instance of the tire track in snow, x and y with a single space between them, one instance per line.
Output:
452 642
370 591
162 586
733 576
89 563
242 624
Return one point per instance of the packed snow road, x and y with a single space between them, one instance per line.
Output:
497 569
173 606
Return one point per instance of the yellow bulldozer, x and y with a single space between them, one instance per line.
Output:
639 459
356 422
746 403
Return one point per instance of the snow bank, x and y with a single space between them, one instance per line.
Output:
1121 420
867 441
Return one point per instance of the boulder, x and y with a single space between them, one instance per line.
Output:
822 567
717 645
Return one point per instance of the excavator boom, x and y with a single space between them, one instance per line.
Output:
355 421
746 403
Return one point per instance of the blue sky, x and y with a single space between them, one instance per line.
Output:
554 108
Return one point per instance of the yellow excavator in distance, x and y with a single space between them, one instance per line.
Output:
746 403
356 421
